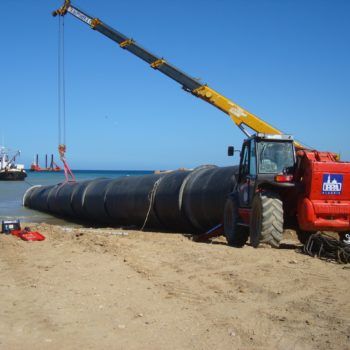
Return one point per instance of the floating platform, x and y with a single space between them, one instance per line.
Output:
37 168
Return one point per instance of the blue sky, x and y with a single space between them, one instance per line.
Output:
285 61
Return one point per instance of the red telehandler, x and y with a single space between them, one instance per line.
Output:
280 183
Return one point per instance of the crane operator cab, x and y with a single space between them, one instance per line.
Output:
267 164
266 161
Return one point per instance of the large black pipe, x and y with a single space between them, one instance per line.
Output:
37 198
52 203
179 201
167 204
64 198
93 203
129 201
203 195
77 199
28 194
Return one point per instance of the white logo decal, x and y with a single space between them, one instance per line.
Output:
78 14
237 111
333 184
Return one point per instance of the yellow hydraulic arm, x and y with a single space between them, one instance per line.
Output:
241 117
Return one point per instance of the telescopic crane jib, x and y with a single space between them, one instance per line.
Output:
280 183
241 117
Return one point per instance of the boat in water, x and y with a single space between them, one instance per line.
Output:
36 167
9 170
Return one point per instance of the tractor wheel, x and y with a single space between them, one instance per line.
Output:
266 221
236 235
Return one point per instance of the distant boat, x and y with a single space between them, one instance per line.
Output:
36 167
9 170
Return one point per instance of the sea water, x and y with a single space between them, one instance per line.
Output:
11 192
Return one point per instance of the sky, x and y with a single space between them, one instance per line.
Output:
287 61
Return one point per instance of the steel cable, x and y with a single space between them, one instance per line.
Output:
62 100
326 247
61 83
59 79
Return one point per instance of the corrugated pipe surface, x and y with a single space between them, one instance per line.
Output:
178 201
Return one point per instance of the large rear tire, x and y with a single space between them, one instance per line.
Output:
236 235
266 221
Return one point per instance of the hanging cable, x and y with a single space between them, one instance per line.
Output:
63 86
59 78
62 101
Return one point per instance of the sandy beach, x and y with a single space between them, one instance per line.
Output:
121 289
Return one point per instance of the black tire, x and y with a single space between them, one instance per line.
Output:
266 221
236 235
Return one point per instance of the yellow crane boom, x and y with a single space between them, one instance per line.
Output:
240 116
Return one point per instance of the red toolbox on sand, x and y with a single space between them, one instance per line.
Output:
26 235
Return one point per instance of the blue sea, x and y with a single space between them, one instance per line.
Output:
11 192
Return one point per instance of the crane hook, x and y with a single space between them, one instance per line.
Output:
67 171
62 10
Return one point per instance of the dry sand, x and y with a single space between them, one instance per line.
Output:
99 289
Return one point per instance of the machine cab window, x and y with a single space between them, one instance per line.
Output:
248 160
252 161
275 157
244 168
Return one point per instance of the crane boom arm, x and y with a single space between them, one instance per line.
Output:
240 116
